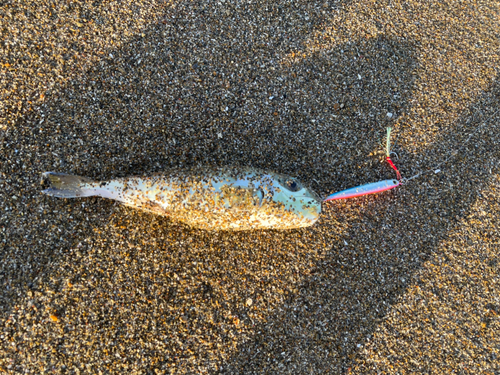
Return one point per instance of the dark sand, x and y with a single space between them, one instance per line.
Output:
402 282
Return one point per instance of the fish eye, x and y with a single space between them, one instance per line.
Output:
292 185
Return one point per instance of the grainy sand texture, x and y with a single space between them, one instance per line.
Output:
402 282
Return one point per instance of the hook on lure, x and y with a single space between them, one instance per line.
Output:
388 154
374 187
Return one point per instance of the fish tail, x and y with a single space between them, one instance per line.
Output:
62 185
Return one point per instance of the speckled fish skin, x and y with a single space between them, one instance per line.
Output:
211 199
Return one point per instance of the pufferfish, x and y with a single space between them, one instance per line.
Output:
207 198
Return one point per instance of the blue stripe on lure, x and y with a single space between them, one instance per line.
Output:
374 187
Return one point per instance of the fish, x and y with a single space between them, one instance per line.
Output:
225 198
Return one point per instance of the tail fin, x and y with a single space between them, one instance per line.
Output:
64 185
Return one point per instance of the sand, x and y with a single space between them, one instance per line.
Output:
402 282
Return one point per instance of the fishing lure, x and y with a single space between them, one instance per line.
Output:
211 199
374 187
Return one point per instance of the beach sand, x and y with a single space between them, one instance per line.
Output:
402 282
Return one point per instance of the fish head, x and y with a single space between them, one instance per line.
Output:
254 198
294 197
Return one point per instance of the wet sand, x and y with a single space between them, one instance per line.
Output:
402 282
